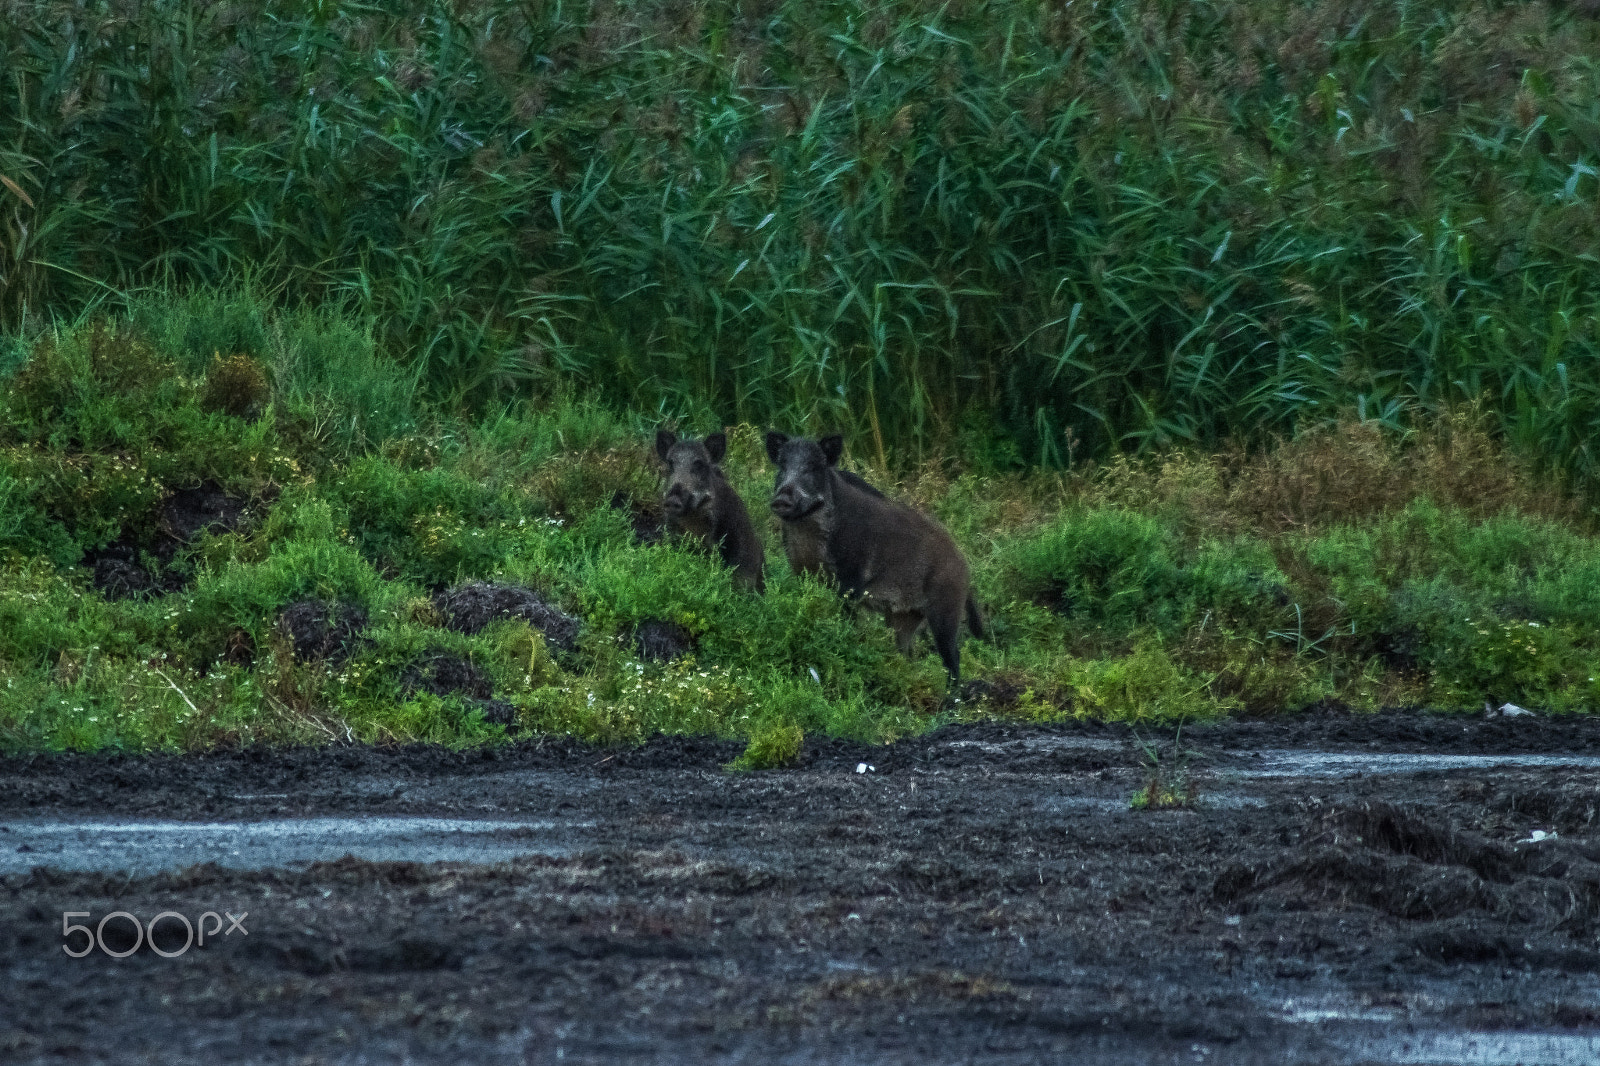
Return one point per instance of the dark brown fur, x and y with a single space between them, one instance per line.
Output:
896 560
700 504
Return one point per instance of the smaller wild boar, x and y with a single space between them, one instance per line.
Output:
894 559
700 503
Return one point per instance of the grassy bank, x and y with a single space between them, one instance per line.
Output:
173 484
1030 232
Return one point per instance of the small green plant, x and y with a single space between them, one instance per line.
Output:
1168 782
1104 566
773 745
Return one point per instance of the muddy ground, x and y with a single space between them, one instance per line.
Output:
1343 890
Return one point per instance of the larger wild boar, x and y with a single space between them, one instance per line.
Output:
895 560
699 503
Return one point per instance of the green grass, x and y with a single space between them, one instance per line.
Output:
1354 564
1021 233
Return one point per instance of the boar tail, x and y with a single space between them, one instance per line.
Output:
975 618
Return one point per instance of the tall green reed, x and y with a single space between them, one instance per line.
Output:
1101 228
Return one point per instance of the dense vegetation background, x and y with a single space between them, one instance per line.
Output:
285 543
1249 351
1043 230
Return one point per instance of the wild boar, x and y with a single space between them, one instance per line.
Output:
700 504
893 559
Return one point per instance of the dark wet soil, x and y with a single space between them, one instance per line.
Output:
444 674
204 508
982 894
119 574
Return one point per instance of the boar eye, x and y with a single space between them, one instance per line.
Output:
700 466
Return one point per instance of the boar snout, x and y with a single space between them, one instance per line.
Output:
682 500
791 502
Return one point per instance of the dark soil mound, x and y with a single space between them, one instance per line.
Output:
496 712
140 567
206 508
118 576
444 674
468 608
999 693
660 641
323 630
118 579
1416 863
122 572
1575 807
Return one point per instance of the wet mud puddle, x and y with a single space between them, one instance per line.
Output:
1339 764
147 847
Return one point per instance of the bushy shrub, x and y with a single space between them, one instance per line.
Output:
1145 684
433 526
1119 570
1109 568
773 745
235 386
1500 660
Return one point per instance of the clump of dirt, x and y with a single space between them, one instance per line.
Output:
469 608
444 674
206 508
998 693
1413 863
120 575
323 630
1403 831
136 568
497 712
1573 807
660 641
119 579
645 518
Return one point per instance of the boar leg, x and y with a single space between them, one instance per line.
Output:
944 618
906 626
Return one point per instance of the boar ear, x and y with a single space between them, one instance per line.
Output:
717 446
775 443
665 439
832 448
